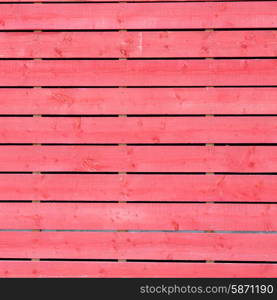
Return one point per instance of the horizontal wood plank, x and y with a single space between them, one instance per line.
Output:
114 130
138 101
138 44
134 269
138 158
138 72
138 245
131 216
139 15
114 1
132 187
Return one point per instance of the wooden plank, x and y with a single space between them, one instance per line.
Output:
139 158
135 269
127 216
34 1
153 130
138 245
139 15
132 187
138 72
138 44
138 101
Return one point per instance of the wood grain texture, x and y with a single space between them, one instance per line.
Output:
139 15
139 245
131 216
138 44
134 269
138 72
87 230
139 158
138 101
114 130
132 187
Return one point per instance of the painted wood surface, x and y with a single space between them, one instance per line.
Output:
138 44
139 15
138 187
110 101
223 72
135 269
138 158
34 1
139 245
165 81
114 130
132 216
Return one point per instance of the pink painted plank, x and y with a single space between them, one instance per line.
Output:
139 15
138 101
127 216
138 72
11 1
114 130
139 158
132 187
138 245
90 269
138 44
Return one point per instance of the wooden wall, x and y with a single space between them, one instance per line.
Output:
138 139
